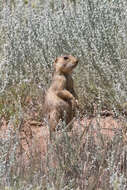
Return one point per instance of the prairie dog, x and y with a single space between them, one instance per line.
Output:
61 99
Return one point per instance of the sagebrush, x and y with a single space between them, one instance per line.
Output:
32 34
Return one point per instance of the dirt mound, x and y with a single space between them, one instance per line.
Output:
34 136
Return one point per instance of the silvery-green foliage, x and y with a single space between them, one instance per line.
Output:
117 180
33 35
95 31
8 149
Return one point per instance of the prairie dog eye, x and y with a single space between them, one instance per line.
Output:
65 57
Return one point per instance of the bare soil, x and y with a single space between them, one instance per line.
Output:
34 136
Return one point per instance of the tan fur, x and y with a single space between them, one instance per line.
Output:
60 99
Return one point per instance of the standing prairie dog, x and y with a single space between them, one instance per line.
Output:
61 99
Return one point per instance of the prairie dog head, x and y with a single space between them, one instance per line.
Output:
65 64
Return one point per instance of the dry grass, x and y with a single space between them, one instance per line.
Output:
32 35
92 156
